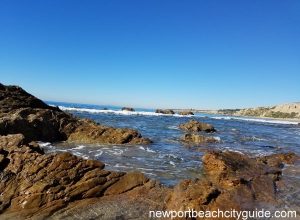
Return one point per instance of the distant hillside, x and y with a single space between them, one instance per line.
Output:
291 110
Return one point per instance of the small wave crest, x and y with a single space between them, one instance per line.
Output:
118 112
272 121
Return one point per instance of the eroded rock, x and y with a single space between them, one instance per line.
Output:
198 139
165 111
23 113
196 126
186 113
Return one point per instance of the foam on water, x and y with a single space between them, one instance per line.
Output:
273 121
119 112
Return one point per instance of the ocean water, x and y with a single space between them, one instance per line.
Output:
168 159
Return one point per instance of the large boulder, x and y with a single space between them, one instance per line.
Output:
165 111
196 126
231 181
92 133
23 113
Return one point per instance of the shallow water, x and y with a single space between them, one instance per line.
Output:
168 159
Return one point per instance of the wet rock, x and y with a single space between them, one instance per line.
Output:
34 184
165 111
186 113
22 113
278 160
92 133
196 126
231 181
129 109
198 139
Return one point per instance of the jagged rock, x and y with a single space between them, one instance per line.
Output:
196 126
186 113
198 139
35 184
231 181
165 111
128 109
14 97
92 133
23 113
278 160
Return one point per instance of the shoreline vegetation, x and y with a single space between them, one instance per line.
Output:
60 185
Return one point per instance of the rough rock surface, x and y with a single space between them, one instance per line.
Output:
165 111
128 109
197 139
23 113
196 126
186 113
35 185
232 181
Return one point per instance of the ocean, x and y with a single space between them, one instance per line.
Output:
168 159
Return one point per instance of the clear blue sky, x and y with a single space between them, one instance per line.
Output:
153 53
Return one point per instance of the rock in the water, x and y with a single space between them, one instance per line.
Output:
129 109
186 113
23 113
93 133
165 111
196 126
34 185
198 139
231 181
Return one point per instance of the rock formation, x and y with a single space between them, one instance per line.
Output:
23 113
198 139
60 185
186 113
34 185
128 109
165 111
196 126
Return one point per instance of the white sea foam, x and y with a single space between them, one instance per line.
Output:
118 112
79 147
272 121
147 149
148 113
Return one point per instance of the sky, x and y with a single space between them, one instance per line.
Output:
153 53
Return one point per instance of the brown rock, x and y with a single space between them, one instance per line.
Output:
186 113
92 133
34 184
165 111
25 114
196 126
198 139
128 109
231 181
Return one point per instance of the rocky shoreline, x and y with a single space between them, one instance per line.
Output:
35 185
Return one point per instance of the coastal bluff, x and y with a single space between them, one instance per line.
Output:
36 185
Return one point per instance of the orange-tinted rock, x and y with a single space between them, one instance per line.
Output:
198 139
196 126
